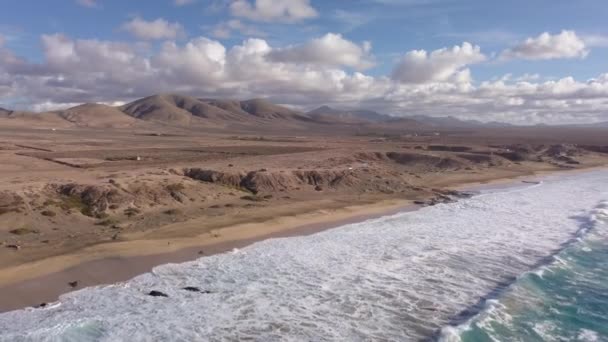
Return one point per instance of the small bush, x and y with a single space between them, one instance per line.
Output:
253 198
22 231
173 212
107 222
176 187
48 213
131 212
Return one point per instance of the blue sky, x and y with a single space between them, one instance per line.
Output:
366 40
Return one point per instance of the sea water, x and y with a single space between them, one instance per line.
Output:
565 299
524 263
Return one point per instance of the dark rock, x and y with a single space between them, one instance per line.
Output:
191 289
41 305
155 293
420 202
318 188
15 247
73 284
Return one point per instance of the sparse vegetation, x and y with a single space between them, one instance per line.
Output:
23 231
48 213
175 187
173 212
6 210
72 202
130 212
107 222
253 198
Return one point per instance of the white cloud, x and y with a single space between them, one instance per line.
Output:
273 10
331 49
565 44
183 2
155 29
2 40
227 28
419 66
76 71
88 3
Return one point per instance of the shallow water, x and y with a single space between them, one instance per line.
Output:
404 277
563 300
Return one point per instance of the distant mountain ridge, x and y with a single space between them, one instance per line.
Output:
328 114
255 114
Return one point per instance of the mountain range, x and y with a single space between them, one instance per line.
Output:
190 112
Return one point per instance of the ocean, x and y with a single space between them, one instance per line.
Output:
523 263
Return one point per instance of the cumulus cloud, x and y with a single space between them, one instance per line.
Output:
153 30
273 10
565 44
331 49
420 66
84 70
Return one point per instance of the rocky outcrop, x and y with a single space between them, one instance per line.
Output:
448 148
270 181
10 202
211 176
426 161
92 200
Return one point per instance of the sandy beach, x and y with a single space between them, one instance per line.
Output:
44 281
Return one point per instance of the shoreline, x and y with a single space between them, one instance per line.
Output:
46 280
109 269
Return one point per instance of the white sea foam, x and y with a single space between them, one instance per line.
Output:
395 278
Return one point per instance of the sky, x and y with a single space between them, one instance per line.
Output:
523 62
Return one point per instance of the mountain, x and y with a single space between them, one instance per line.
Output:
603 124
30 119
326 114
175 110
232 106
255 115
452 122
267 110
97 115
179 110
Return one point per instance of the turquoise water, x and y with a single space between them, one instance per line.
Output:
565 300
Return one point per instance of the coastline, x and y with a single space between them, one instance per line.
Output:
45 280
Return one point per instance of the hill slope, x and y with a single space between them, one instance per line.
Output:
97 115
326 114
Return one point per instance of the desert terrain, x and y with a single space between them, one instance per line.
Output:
168 172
